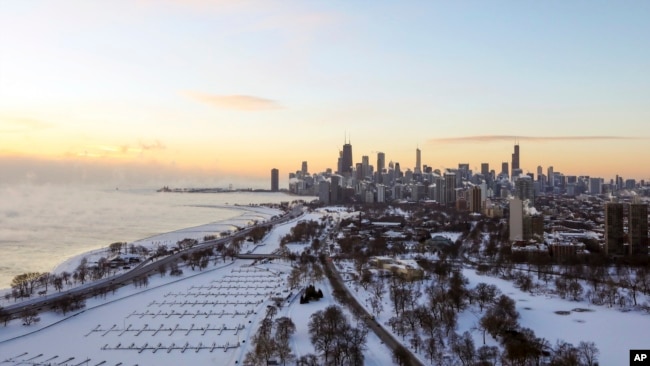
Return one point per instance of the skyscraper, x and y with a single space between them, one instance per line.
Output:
365 166
418 161
515 161
504 169
381 165
638 229
450 189
516 221
346 160
524 188
381 161
485 169
304 169
475 199
595 186
614 229
275 180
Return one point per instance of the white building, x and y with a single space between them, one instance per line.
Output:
516 220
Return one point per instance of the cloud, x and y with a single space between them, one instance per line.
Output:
118 151
155 145
499 138
10 124
234 102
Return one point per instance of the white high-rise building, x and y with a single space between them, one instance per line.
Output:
516 220
381 193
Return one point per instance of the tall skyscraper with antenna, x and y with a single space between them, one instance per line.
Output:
515 158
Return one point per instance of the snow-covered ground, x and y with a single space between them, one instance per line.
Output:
200 318
613 331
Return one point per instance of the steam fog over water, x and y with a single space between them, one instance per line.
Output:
43 225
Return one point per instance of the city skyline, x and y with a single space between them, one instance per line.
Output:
223 92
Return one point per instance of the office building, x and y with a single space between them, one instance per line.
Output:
365 167
595 186
381 166
485 170
346 161
516 169
524 188
418 161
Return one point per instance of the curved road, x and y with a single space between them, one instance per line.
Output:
148 266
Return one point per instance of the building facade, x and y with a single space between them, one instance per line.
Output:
275 180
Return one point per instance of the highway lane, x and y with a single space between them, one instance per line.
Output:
151 265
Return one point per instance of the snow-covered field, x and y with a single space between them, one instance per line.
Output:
203 318
613 331
209 317
199 318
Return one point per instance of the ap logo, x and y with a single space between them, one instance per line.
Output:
639 357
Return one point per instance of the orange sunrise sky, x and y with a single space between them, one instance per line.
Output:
203 92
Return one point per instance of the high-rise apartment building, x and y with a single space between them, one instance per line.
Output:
614 229
418 161
476 199
275 180
335 188
381 193
324 192
516 221
638 228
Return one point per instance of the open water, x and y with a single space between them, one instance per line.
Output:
43 225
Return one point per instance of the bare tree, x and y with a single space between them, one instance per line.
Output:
500 317
485 294
29 316
588 353
463 348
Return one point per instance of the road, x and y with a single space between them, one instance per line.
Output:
144 268
383 334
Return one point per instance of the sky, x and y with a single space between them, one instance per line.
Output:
219 92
